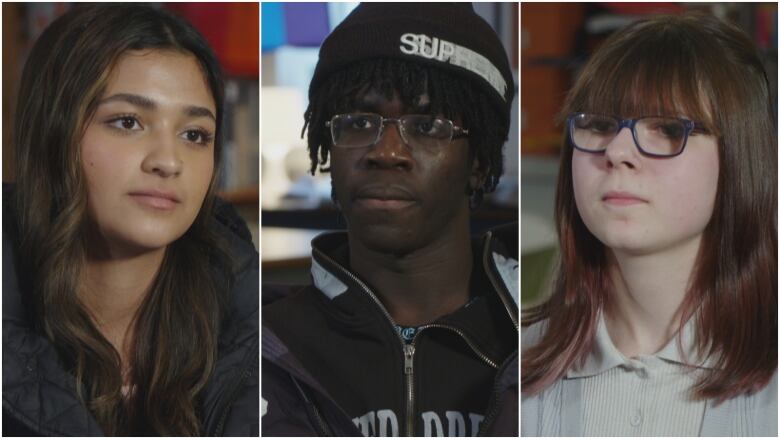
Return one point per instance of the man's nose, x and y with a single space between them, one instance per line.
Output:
390 151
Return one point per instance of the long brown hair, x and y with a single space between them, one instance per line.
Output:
63 79
710 71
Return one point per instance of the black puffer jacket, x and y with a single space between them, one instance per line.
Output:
39 395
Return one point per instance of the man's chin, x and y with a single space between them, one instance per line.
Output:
384 238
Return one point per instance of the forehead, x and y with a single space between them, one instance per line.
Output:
378 101
166 76
647 75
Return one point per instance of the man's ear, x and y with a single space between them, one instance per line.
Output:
477 176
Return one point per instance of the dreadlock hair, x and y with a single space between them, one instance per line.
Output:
450 95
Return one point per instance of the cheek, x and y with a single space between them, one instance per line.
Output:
583 176
340 168
102 166
204 171
695 188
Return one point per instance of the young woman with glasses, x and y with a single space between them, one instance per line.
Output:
663 313
129 291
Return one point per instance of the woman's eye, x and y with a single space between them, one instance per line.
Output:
596 125
201 137
601 127
671 131
127 123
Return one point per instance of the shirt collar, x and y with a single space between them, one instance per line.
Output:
604 355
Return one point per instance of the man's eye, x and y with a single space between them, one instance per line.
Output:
361 123
128 123
429 127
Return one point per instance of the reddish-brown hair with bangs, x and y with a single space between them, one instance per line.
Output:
701 68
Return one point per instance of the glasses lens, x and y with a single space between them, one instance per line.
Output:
355 130
593 132
427 131
660 136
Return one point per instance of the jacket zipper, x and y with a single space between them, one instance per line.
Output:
499 286
233 393
409 368
409 375
408 349
493 406
314 410
407 352
503 295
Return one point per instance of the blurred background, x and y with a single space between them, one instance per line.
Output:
296 206
232 31
556 40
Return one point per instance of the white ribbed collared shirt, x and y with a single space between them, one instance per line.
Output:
648 395
570 406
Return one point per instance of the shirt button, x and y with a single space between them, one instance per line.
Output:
636 418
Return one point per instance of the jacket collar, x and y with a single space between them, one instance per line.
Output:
330 275
605 356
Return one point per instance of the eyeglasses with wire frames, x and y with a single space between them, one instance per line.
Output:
357 130
654 136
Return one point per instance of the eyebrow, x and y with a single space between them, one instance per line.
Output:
148 104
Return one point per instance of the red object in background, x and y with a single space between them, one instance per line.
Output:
232 30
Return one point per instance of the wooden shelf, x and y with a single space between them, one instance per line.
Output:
245 196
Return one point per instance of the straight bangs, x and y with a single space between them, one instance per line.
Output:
649 74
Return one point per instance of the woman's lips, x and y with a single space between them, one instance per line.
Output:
156 199
622 199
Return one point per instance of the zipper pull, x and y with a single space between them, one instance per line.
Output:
408 359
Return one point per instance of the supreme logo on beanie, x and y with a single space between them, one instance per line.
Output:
449 36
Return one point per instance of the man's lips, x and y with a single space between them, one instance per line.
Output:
385 197
619 198
156 198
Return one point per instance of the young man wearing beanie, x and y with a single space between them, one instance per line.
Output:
410 325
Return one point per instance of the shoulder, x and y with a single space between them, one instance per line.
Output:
230 401
764 408
291 309
541 414
533 333
244 302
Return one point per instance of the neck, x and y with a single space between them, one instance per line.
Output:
423 285
643 310
113 289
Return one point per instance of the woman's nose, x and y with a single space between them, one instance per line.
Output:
622 150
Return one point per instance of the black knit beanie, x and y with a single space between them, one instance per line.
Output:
449 36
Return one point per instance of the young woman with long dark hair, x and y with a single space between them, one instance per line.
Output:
129 291
663 314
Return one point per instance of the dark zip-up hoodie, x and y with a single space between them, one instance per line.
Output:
39 395
335 364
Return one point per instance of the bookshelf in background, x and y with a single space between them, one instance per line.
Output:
232 30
